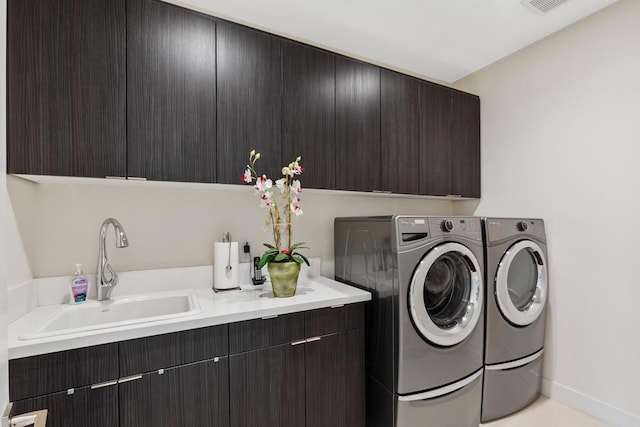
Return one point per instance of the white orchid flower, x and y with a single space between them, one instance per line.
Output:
246 177
295 208
263 184
296 187
265 199
295 168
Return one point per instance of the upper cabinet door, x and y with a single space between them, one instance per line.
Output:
466 144
249 101
435 140
66 87
308 113
171 93
357 125
400 123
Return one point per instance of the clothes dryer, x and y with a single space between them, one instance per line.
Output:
517 288
424 325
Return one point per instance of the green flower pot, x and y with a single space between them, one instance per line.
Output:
284 278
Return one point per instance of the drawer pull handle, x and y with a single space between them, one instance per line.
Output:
298 342
270 317
313 339
131 378
105 384
337 306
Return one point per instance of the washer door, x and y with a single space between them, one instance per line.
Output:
521 283
445 295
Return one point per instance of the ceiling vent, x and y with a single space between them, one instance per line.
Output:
542 7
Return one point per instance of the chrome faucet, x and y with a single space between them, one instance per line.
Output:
106 282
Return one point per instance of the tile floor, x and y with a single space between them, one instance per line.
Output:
547 413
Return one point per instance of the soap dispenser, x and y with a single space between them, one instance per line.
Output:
79 286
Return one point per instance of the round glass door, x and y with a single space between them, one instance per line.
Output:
445 295
521 283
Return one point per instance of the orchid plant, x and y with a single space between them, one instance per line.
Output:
280 207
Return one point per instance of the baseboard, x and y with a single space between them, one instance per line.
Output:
596 408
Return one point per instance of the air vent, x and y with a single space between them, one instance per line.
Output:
541 7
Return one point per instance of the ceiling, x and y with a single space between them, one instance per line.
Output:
438 39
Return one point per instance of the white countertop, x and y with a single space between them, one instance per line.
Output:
252 302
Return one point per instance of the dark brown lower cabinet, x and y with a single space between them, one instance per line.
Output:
335 380
319 382
189 395
267 387
97 407
293 370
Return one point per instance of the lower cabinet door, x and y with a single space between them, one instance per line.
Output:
267 387
335 380
187 395
84 407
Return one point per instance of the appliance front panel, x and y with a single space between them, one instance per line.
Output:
460 408
505 340
423 364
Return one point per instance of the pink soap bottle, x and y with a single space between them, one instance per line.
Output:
79 286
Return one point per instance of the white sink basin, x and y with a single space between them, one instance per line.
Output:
118 311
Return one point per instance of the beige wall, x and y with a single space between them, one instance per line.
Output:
170 224
561 141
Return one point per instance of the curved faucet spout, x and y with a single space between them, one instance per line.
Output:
106 277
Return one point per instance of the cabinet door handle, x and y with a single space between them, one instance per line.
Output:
298 342
270 317
313 339
105 384
131 378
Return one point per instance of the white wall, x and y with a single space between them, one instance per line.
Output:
170 224
561 141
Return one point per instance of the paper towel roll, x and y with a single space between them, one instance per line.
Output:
223 279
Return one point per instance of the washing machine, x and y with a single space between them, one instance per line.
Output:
517 288
424 325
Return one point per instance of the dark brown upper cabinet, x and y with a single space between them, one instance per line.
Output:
66 87
400 136
357 125
436 153
466 144
308 112
171 93
249 101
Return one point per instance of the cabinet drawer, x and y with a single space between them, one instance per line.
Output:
49 373
267 332
178 348
331 320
